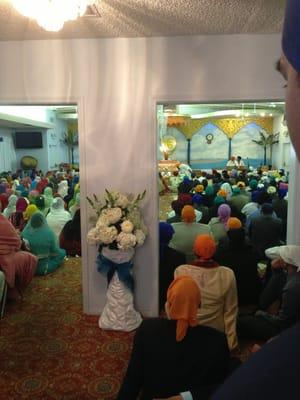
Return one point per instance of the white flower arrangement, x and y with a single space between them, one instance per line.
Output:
119 223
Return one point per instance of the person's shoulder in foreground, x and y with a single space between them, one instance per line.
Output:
270 373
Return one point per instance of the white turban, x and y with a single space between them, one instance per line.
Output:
289 253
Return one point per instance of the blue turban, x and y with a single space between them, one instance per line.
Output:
197 198
166 232
291 33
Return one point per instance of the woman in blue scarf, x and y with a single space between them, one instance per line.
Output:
43 243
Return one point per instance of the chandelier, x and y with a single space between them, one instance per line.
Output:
52 14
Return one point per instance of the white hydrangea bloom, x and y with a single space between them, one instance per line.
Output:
140 237
113 215
127 226
107 234
102 221
126 240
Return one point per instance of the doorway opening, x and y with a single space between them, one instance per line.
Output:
202 146
39 154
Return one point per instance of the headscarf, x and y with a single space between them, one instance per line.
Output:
58 205
233 223
30 210
291 255
21 204
253 184
227 188
224 212
37 220
199 188
11 207
291 34
205 246
48 194
219 200
166 231
209 190
4 200
198 199
236 191
62 189
40 202
188 214
183 301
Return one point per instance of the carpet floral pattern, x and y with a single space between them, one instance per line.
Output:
50 350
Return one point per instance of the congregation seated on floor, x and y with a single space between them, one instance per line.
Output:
39 227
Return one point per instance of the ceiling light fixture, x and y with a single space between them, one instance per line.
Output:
52 14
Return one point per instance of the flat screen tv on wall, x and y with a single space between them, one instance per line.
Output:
28 140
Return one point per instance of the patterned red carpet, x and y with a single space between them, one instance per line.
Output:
50 350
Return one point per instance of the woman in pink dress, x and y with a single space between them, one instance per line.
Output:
18 266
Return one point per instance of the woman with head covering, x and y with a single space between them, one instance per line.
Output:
174 355
40 203
48 195
169 259
76 206
43 244
218 226
70 236
30 210
11 207
58 216
62 188
18 266
218 287
17 218
3 200
186 232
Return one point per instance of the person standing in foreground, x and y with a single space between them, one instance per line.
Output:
272 372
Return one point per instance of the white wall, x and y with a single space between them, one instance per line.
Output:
117 83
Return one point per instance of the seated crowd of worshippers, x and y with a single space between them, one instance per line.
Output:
39 224
225 274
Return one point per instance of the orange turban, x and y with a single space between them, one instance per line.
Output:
222 193
199 188
205 246
241 184
234 223
183 301
188 214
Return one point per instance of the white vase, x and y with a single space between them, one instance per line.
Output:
119 313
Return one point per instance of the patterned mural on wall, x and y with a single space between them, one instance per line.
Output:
209 143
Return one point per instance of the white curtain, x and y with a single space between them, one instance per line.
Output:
8 157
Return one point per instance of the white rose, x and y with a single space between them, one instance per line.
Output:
93 236
113 214
140 237
127 226
108 234
126 240
102 221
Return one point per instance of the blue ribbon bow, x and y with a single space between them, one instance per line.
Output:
108 268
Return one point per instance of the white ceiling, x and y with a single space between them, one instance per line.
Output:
137 18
